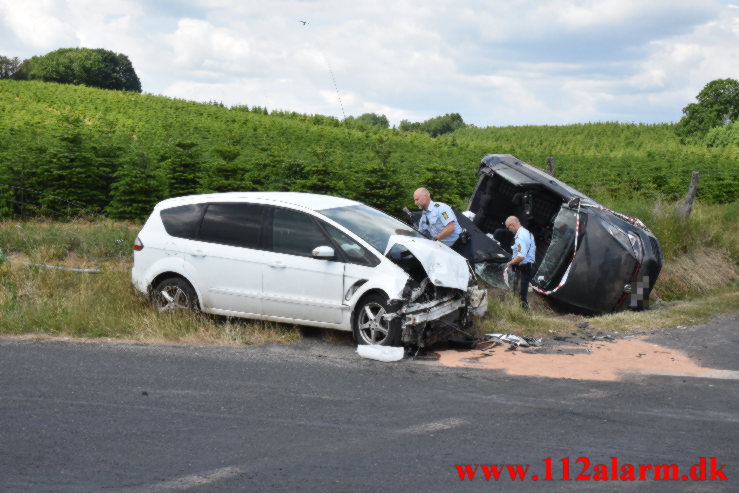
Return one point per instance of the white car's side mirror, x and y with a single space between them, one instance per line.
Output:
325 252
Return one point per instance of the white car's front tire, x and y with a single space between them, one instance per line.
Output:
369 325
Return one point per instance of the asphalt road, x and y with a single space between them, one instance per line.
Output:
313 416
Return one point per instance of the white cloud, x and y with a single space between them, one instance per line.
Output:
36 23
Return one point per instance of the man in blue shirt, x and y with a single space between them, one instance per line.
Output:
438 220
523 258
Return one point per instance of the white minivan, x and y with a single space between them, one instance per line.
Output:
305 259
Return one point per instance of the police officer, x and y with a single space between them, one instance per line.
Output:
438 220
523 257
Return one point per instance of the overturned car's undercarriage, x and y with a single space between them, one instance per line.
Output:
589 259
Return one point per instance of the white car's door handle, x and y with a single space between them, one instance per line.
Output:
197 253
277 265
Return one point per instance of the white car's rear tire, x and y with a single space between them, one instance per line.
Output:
175 294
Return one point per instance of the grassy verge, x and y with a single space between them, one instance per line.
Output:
505 315
45 302
82 240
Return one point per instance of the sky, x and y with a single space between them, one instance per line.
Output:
496 63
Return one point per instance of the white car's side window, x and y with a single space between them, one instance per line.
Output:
296 233
232 224
354 252
182 221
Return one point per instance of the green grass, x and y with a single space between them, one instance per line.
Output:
93 240
48 302
506 316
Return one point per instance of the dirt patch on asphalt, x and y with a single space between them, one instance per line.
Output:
600 360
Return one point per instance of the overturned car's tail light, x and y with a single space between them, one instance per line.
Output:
629 241
637 246
137 245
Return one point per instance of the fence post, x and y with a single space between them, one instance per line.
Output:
687 205
550 165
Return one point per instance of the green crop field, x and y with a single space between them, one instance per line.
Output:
116 153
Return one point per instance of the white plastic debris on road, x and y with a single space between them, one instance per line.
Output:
380 353
513 340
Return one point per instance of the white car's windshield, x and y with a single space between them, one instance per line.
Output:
373 226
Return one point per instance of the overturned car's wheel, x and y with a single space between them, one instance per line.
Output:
369 325
175 294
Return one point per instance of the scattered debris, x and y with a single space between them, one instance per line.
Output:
381 353
505 277
603 337
514 340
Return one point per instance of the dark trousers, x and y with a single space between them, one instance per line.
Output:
521 282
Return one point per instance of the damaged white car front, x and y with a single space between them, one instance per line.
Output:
441 295
421 292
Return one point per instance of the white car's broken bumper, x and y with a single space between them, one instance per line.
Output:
418 313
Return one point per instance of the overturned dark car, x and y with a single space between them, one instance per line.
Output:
589 259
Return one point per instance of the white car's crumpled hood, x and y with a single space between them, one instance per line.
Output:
444 266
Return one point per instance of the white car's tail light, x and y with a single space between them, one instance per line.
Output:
137 245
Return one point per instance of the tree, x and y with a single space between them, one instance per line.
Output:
718 104
183 169
723 136
443 124
71 176
436 126
8 67
226 173
368 120
138 186
322 175
82 66
22 148
441 181
409 126
379 183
